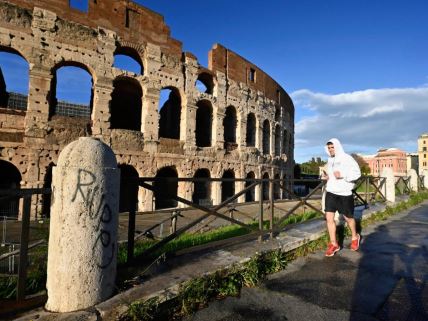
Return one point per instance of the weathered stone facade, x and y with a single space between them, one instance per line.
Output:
241 126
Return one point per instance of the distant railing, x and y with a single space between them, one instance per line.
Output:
64 108
15 101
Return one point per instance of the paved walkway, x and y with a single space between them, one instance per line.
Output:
386 280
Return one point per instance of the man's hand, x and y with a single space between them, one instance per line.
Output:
324 176
337 174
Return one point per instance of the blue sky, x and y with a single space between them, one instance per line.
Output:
356 70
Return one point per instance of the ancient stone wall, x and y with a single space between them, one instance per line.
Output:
242 112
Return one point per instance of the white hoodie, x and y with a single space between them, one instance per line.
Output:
346 165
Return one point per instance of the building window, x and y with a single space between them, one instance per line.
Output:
252 75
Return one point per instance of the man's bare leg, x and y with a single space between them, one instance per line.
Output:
331 227
352 226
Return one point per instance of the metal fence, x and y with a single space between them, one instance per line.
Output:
15 258
261 219
16 101
73 110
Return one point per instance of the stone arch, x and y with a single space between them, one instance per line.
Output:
284 141
67 107
277 140
205 83
164 188
10 179
251 130
227 187
250 195
128 58
277 113
17 96
204 120
126 104
202 190
128 198
265 186
266 137
170 113
46 198
230 123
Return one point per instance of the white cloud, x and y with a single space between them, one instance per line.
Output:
363 120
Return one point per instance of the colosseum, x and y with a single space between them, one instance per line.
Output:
227 120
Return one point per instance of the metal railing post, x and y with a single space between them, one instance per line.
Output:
131 234
367 188
174 221
23 253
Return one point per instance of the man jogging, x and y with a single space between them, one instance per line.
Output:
342 171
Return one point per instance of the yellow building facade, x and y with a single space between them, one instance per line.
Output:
423 152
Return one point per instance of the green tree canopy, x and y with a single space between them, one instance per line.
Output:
312 166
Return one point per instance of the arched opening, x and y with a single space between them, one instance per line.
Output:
265 186
229 125
165 189
251 130
250 195
81 5
126 104
46 198
202 189
227 187
277 140
266 137
204 119
10 179
205 83
128 59
71 91
284 142
128 199
14 80
170 113
277 187
277 113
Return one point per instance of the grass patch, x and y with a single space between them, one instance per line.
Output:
188 240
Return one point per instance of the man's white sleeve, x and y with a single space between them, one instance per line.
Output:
352 170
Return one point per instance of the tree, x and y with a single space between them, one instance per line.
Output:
312 166
364 167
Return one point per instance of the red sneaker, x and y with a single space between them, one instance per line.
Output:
332 249
355 244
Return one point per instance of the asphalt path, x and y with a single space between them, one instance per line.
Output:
386 280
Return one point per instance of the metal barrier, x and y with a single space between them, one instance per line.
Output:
226 210
402 185
19 252
368 189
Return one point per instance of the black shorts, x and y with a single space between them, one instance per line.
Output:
343 204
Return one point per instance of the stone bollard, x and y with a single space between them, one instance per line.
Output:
389 187
424 175
413 180
82 253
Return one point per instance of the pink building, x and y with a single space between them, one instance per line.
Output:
391 157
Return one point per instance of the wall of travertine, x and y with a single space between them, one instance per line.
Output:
49 35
